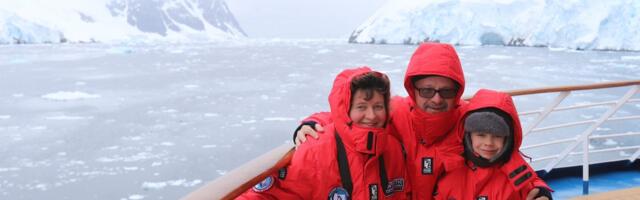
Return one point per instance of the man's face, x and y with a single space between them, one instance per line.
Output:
442 100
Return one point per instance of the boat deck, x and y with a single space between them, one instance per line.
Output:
625 194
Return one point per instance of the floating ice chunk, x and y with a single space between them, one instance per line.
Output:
17 95
211 114
221 172
176 51
5 116
191 86
135 197
381 56
155 164
393 71
80 83
630 58
119 50
610 142
154 185
41 186
179 69
194 182
167 144
66 117
69 96
177 182
39 128
293 75
279 119
9 169
264 97
209 146
498 57
248 121
132 138
602 60
111 148
130 168
557 48
62 153
170 111
323 51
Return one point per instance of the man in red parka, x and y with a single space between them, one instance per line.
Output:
356 158
424 121
491 166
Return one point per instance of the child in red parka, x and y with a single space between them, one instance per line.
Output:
491 167
356 158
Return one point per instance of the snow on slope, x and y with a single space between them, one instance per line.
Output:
36 21
586 24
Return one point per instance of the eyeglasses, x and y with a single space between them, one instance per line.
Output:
446 93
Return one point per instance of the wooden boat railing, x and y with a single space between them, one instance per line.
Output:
244 177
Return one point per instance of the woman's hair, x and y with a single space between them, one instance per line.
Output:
370 82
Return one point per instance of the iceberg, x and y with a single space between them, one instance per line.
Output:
583 25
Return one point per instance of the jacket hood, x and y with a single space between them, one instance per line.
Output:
434 59
488 99
363 139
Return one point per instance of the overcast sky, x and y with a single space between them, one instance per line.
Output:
302 18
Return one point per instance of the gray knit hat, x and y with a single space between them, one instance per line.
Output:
486 122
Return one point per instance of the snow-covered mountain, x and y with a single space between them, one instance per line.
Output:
583 24
36 21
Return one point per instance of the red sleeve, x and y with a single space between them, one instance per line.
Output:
538 182
296 183
322 118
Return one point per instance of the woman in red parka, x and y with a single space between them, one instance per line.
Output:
356 159
491 166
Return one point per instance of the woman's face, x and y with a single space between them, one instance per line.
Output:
368 113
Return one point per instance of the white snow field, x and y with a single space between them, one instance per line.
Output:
134 121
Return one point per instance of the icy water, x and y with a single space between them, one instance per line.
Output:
96 121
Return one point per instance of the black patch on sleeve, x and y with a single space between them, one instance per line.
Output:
282 173
523 178
517 171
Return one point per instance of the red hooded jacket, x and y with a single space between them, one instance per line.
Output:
511 180
423 133
419 131
375 159
426 137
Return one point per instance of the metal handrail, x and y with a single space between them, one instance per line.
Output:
585 136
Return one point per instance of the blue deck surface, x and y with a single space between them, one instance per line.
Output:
567 183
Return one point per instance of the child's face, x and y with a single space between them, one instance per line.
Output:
368 113
486 145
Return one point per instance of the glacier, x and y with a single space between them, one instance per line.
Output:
116 20
582 25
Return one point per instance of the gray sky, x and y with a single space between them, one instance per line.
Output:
302 18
